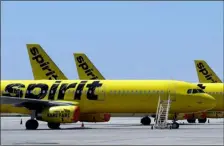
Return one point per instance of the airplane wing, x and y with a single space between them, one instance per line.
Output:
32 104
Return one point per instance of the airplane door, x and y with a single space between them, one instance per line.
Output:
172 91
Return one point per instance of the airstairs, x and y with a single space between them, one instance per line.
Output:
162 113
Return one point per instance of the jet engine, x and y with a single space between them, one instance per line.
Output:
60 114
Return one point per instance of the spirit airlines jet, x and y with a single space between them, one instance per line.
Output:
43 67
212 85
86 70
70 101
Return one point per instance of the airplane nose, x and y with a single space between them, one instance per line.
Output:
207 101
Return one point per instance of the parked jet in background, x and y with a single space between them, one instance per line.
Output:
212 85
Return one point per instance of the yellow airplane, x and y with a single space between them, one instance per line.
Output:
86 70
212 85
70 101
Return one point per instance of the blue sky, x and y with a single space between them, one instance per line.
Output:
125 40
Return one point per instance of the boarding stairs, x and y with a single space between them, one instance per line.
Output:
162 113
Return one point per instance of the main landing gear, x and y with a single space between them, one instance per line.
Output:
146 121
53 125
32 124
191 120
199 120
202 120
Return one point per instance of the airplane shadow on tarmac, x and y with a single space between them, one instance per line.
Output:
115 126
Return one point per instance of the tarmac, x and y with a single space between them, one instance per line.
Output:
119 131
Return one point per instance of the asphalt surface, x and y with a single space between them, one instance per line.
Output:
119 131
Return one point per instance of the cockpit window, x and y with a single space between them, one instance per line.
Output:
189 91
195 91
200 91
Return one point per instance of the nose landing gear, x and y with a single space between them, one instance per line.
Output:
146 121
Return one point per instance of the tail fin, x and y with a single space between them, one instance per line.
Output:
42 65
205 73
86 69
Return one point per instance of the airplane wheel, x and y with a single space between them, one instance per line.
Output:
54 125
191 120
146 120
202 120
175 125
32 124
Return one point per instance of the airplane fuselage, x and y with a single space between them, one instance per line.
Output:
111 96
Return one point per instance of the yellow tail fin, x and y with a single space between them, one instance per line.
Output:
86 69
42 65
205 73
